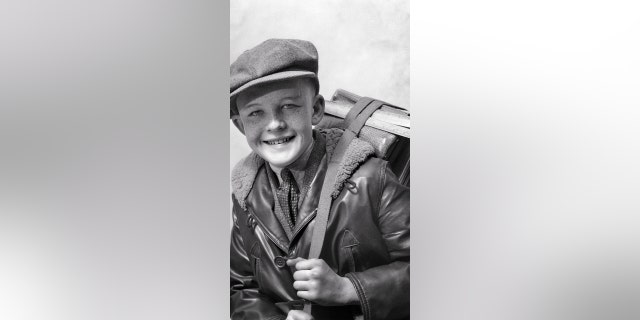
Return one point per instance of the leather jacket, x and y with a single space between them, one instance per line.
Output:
367 239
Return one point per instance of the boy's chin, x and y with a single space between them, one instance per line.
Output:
280 158
279 161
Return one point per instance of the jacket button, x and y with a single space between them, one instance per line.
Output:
251 222
280 261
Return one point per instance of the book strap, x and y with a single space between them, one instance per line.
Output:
354 121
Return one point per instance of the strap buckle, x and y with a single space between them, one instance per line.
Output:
297 304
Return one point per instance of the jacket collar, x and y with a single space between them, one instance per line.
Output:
245 171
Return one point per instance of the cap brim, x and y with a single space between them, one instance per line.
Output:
284 75
274 77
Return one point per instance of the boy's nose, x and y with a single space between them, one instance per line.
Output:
276 123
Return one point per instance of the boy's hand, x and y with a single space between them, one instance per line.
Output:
298 315
316 282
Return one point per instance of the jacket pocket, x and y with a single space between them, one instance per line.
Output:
349 249
255 256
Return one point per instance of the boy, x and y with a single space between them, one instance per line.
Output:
363 269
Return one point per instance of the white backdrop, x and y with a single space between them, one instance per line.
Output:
528 180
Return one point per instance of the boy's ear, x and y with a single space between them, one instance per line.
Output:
318 110
238 123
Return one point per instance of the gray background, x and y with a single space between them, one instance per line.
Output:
113 127
114 179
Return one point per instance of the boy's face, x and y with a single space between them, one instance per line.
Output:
277 118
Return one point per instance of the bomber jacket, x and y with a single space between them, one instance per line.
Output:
367 238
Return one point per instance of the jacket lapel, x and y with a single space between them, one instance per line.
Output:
310 203
261 203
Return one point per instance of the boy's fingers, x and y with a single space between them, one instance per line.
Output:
292 262
307 264
301 285
302 275
298 315
305 295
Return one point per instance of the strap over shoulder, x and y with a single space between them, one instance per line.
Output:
353 122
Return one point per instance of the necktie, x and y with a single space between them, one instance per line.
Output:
288 196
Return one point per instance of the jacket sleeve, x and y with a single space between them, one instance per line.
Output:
383 291
247 302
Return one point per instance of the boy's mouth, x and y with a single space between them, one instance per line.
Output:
278 141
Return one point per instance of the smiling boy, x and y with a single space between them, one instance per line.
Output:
363 269
277 118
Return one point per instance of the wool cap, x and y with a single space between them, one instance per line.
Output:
272 60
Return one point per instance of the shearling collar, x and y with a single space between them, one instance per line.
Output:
245 171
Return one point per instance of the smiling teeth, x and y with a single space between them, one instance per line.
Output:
279 141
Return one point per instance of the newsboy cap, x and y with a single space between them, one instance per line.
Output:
272 60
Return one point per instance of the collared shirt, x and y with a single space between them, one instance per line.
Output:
309 172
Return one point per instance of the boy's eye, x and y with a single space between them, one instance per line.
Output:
289 106
255 113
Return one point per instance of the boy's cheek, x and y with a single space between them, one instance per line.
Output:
251 131
250 124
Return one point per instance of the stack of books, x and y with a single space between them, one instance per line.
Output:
388 130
